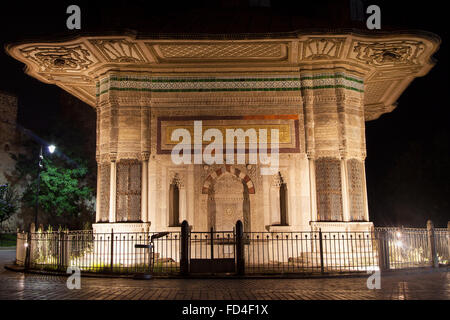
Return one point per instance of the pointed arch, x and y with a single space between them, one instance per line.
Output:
232 170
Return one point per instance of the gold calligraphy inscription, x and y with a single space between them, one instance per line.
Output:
283 129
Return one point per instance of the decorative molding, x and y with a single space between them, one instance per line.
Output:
319 48
50 58
209 181
229 84
119 50
389 53
192 52
184 67
176 178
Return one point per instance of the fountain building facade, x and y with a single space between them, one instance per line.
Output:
317 90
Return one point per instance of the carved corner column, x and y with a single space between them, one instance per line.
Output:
190 194
99 188
144 188
145 155
293 209
313 191
366 203
183 203
163 201
345 192
113 187
266 200
152 194
97 158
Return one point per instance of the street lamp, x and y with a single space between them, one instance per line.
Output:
51 149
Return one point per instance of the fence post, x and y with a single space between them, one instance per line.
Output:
112 250
432 244
212 242
28 248
184 238
240 262
66 247
321 251
61 251
383 250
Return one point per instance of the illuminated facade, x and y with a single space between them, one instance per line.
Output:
316 89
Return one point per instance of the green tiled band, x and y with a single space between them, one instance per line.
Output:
161 84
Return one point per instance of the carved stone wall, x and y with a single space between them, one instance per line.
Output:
329 189
320 88
103 197
356 189
128 206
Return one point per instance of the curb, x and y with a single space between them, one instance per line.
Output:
415 271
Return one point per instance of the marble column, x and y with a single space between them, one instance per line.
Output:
152 194
112 191
313 194
97 201
144 187
345 193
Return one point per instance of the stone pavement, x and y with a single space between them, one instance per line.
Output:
418 285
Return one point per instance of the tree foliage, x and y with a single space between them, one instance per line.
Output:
62 190
8 202
65 189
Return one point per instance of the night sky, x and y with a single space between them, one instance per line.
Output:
407 165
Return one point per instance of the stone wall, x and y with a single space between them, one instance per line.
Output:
9 143
321 118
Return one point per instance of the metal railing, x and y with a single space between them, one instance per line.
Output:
230 251
212 245
309 252
443 245
103 252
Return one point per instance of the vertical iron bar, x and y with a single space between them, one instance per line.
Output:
321 251
112 250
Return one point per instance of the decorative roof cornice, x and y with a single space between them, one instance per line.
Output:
387 62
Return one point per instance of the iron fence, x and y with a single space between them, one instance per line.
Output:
212 245
228 251
405 247
443 245
309 252
104 252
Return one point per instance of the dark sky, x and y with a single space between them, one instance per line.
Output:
407 150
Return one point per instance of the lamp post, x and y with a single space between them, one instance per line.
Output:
51 149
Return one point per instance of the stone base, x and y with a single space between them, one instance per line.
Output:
121 227
342 226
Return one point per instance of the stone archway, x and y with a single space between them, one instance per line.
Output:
228 199
231 170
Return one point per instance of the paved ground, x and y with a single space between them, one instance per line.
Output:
398 286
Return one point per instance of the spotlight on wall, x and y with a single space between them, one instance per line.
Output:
51 148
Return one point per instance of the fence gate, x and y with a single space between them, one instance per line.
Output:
212 252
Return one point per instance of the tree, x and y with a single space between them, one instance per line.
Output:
63 194
8 202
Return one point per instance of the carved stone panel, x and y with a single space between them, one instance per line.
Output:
396 52
356 189
227 203
128 191
329 189
103 197
318 48
60 58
